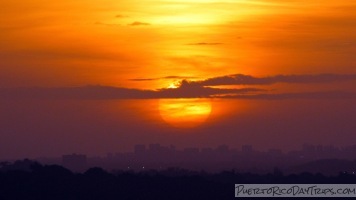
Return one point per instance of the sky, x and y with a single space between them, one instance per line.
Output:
93 76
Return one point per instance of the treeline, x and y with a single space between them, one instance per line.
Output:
30 180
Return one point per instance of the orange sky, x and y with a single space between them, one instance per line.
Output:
107 42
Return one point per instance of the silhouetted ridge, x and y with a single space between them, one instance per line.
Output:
56 183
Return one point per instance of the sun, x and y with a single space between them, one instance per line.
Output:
185 113
174 85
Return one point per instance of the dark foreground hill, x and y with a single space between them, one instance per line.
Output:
54 182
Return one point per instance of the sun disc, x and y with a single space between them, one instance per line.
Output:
184 113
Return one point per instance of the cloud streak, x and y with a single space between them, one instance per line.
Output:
107 24
121 16
136 23
206 43
300 95
105 92
194 89
241 79
161 78
109 93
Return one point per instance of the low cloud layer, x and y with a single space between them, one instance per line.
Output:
241 79
194 89
104 92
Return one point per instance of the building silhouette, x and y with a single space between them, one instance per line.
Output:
75 162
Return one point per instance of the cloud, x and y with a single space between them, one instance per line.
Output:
121 16
105 92
106 24
177 77
188 90
136 23
76 51
144 79
300 95
160 78
205 43
185 91
193 89
241 79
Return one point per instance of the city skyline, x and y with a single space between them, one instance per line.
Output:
328 160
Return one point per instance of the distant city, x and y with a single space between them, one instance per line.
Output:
312 158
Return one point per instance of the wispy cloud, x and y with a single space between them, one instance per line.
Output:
121 16
205 43
144 79
299 95
241 79
136 23
160 78
106 24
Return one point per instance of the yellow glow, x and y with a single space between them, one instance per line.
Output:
174 85
184 113
188 19
112 42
